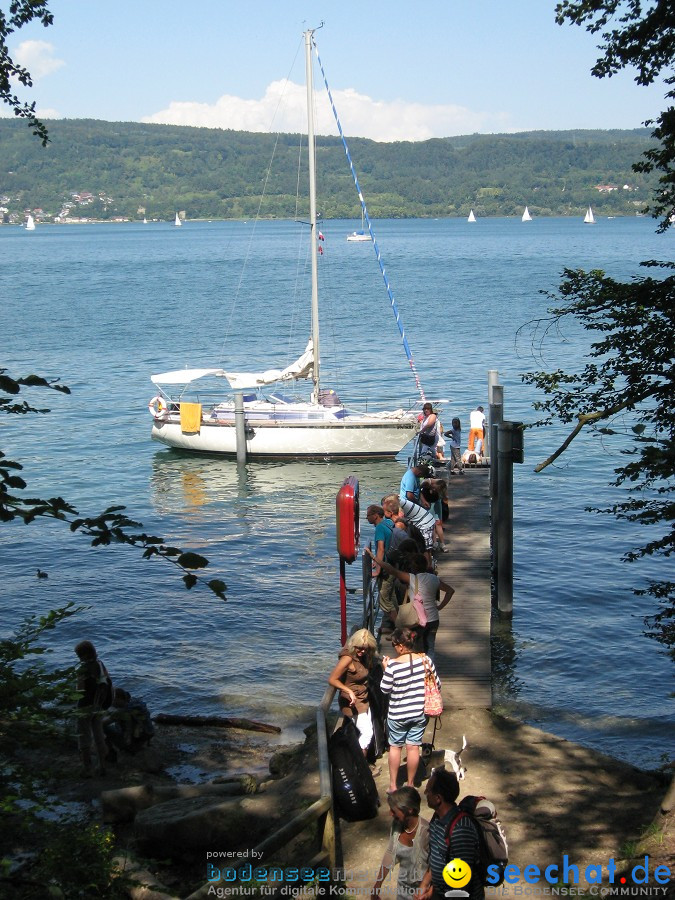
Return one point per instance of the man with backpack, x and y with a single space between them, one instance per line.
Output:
452 835
95 688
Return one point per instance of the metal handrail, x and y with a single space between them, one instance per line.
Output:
320 811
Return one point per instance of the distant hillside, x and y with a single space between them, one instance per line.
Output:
125 169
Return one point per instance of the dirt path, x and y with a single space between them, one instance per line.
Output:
553 798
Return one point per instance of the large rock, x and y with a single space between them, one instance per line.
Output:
121 805
192 825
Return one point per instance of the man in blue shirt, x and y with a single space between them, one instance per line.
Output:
383 530
410 483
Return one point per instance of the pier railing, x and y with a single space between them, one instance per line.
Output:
319 814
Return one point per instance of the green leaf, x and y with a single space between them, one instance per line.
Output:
190 560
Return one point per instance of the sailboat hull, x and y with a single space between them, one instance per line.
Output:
357 437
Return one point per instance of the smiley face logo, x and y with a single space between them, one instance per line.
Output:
457 873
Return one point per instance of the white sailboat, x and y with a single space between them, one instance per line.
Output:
177 221
526 217
589 218
30 224
277 425
472 217
359 236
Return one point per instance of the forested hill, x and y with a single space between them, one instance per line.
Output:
131 169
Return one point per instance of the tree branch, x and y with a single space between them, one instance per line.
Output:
583 419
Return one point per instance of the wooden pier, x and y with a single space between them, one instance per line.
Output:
463 640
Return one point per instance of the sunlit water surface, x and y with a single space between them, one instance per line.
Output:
104 306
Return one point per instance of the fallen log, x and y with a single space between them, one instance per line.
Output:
215 721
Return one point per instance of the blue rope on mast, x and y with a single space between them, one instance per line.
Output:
366 217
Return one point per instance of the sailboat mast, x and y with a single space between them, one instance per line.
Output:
311 150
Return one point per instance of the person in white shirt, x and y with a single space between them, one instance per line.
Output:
476 429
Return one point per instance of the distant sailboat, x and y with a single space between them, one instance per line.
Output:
145 221
589 218
30 224
359 236
526 216
178 222
471 218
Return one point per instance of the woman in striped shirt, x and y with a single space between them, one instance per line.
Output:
403 680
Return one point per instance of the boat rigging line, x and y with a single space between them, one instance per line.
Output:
364 209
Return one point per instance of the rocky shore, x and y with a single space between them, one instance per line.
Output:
553 796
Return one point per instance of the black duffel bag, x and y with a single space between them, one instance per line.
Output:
354 790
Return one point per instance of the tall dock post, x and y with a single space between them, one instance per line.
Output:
496 410
509 450
240 427
493 379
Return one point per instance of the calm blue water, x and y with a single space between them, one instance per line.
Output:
103 306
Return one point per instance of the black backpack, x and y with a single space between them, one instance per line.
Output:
354 789
493 849
104 688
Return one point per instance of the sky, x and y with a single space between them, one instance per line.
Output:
398 71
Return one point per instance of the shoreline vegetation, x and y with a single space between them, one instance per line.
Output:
107 170
186 220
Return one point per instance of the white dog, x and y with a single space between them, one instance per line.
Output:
453 760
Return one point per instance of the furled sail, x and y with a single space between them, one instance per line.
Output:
301 368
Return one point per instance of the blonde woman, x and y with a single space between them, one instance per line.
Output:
350 678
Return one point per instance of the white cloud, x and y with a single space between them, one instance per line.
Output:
38 58
361 116
47 112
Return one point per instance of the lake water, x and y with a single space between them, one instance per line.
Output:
104 306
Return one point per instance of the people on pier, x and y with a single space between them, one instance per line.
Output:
422 518
430 494
476 430
392 512
350 679
383 533
441 791
403 680
427 439
410 483
440 442
127 725
93 686
429 587
455 440
408 845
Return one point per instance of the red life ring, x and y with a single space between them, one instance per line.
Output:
158 407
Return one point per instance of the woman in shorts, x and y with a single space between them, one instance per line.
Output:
403 680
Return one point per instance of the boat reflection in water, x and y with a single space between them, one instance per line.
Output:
198 486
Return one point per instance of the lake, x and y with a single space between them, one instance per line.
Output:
104 306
